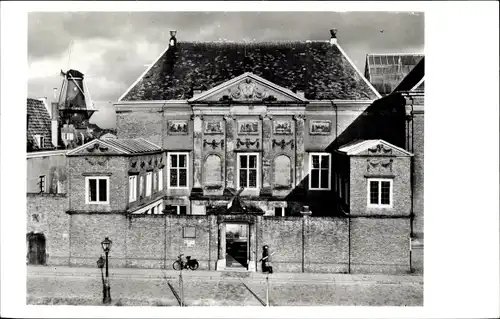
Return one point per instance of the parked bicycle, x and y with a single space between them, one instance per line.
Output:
189 264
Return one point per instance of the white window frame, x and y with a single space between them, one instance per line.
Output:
169 168
329 171
87 190
380 180
282 213
44 188
132 192
257 181
155 182
68 136
141 185
178 209
160 179
149 177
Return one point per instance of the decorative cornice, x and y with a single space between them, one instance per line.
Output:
283 144
213 143
380 149
374 164
247 143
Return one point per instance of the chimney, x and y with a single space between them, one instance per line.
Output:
55 123
300 93
333 39
173 39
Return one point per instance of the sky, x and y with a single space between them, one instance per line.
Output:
112 49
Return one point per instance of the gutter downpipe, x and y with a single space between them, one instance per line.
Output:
411 149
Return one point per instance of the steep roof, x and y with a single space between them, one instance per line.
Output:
414 80
386 71
39 123
318 68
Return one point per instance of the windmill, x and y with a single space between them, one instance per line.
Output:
74 105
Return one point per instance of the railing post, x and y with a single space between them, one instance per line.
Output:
181 288
267 291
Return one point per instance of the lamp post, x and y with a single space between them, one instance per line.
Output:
100 265
106 246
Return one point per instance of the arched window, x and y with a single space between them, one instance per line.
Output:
282 171
212 170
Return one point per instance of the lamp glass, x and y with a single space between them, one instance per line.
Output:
106 244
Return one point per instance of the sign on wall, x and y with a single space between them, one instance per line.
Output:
189 243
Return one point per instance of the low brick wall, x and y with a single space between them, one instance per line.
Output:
46 214
300 244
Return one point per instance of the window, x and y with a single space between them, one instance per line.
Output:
380 192
39 140
68 136
97 189
319 171
141 186
155 182
160 179
178 170
148 183
248 170
279 211
181 210
132 188
41 183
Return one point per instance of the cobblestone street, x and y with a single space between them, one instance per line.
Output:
212 289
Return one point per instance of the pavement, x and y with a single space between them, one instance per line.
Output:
216 275
159 287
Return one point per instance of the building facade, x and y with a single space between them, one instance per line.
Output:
287 142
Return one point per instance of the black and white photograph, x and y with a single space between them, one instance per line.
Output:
127 204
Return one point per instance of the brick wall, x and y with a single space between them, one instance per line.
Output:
380 245
145 123
205 243
53 167
401 186
326 244
283 235
117 169
418 169
146 241
46 214
89 230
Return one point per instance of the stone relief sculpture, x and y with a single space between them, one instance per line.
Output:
282 127
213 128
177 127
248 127
320 127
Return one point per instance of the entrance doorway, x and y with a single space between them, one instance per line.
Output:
237 246
36 249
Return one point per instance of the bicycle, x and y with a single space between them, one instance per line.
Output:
179 264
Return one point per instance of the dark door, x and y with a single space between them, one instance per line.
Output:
36 249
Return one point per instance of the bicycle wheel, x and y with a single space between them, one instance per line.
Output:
194 265
177 265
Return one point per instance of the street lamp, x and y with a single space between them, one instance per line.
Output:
106 246
100 265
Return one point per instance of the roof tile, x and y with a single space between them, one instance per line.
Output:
317 68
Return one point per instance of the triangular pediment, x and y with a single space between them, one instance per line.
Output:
96 147
373 148
248 87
